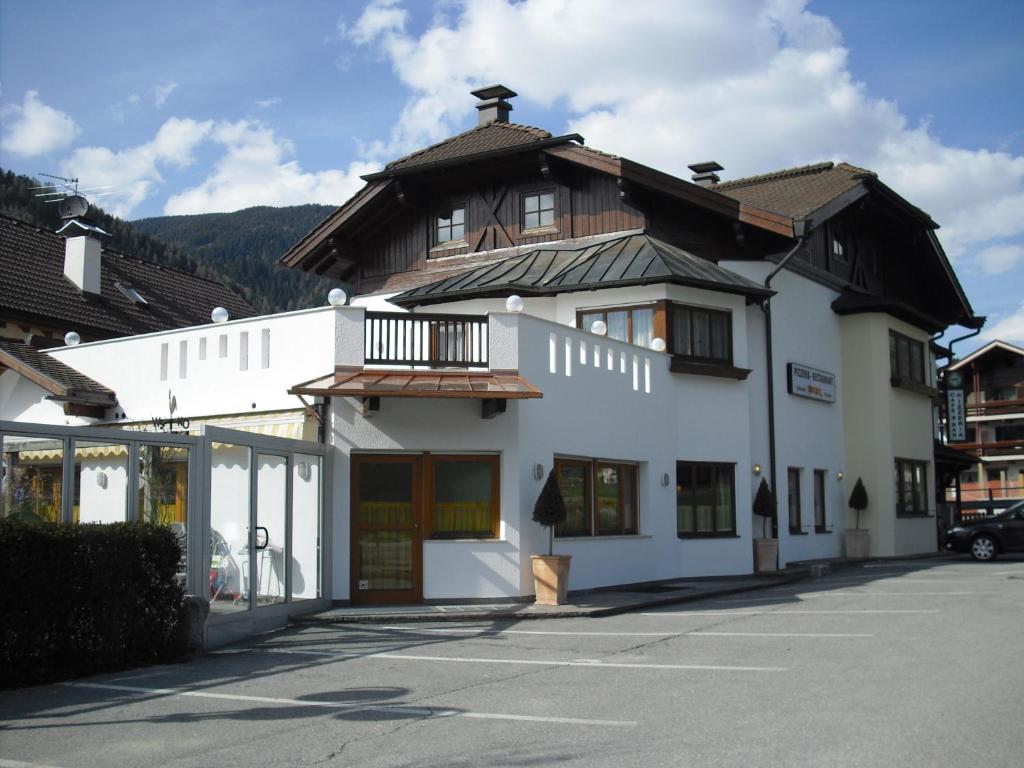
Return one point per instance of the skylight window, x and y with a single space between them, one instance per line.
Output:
130 293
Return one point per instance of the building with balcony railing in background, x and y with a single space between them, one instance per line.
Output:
994 388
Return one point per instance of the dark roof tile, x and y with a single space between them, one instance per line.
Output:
66 378
795 192
483 138
34 287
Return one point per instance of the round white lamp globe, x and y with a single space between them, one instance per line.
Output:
337 297
600 327
657 344
219 315
514 303
71 338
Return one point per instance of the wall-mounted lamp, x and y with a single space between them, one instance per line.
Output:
101 479
839 475
514 303
304 472
664 480
538 471
757 469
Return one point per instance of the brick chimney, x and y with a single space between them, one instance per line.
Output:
493 107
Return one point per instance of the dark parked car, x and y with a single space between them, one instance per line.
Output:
987 537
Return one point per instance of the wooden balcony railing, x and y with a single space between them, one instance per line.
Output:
997 408
435 341
992 448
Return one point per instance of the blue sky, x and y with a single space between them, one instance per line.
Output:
206 106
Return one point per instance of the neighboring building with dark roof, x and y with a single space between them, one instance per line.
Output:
135 296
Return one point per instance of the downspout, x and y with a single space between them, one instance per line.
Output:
799 227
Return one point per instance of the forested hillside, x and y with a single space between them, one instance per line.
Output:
246 244
239 249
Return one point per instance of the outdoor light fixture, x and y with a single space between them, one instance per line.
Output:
219 315
71 338
599 327
839 475
664 480
658 344
101 479
757 469
514 303
303 466
337 297
538 471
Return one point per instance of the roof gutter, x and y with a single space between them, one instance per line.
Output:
799 231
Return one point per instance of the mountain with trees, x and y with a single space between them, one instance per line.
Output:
239 249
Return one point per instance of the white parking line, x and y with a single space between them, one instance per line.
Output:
591 663
850 593
389 708
695 633
734 612
18 764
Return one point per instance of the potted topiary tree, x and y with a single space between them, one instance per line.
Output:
550 571
858 542
766 550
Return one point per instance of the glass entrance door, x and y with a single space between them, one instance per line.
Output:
387 543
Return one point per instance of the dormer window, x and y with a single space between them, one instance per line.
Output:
450 226
538 210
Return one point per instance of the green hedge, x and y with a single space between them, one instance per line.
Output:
81 599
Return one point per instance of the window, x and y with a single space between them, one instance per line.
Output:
451 226
793 483
538 210
464 494
838 249
906 359
820 522
702 335
634 325
911 487
600 497
705 500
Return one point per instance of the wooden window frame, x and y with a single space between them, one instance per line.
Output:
821 495
553 226
919 490
790 472
717 533
909 377
436 229
429 462
591 466
657 317
674 307
837 238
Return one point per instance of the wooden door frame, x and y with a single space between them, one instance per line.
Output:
383 597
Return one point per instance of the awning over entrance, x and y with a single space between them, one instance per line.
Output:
483 385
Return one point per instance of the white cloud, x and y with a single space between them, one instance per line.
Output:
756 86
256 169
997 259
135 172
33 128
162 92
1009 328
267 103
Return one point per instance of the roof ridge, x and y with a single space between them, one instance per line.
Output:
539 133
783 173
856 170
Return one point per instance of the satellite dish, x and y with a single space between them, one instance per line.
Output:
73 206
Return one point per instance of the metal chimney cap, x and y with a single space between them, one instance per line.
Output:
708 166
69 229
493 92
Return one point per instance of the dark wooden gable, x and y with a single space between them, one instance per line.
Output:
402 250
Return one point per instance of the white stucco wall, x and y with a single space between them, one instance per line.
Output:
24 400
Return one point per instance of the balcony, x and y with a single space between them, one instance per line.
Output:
990 408
425 340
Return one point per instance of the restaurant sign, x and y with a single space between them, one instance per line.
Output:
804 381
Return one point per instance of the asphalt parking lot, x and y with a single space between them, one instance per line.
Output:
913 663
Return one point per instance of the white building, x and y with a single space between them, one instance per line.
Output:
438 427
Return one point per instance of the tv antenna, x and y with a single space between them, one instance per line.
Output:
66 193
